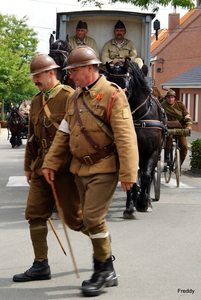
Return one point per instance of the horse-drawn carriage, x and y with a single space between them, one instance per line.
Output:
17 125
148 115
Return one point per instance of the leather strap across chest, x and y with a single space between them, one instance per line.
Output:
101 152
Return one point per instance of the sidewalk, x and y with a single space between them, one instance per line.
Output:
3 132
194 136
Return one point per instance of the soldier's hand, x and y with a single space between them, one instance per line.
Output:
48 174
126 186
28 176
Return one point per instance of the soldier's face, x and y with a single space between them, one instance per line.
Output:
170 99
79 76
119 33
43 81
80 33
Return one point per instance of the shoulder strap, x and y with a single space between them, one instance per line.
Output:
101 123
47 111
110 104
82 128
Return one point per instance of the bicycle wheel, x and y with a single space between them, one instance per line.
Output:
177 166
157 182
168 170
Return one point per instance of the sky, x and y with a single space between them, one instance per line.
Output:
42 14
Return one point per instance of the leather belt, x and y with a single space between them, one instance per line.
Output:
44 143
96 157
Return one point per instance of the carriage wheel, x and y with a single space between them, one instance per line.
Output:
177 166
168 169
157 182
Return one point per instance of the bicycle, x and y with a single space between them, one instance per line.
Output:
174 164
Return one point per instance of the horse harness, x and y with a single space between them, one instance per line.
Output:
145 124
126 77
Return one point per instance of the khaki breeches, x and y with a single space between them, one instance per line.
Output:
40 200
96 192
183 145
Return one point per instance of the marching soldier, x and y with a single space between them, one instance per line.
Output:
47 111
176 111
101 158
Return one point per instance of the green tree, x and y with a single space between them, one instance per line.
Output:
146 4
18 45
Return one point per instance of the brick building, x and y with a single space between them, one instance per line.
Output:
176 52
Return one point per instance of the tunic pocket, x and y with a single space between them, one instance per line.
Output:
57 117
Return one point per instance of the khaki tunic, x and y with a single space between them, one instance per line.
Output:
74 42
24 108
185 122
122 126
111 51
97 182
40 200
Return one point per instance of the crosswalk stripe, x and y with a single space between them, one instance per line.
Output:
173 184
17 181
21 181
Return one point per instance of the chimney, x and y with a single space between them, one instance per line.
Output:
173 21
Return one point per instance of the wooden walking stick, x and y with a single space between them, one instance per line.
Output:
58 239
61 216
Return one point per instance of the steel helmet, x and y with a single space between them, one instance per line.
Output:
82 56
41 63
170 93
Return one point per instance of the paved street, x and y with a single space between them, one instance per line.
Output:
158 255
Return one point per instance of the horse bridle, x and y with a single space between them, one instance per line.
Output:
16 117
128 84
127 78
65 55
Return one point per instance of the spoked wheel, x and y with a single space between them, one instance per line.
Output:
157 182
168 170
177 166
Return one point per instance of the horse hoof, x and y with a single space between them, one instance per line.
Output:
129 215
142 208
149 209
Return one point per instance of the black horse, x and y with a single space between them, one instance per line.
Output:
59 50
16 122
150 124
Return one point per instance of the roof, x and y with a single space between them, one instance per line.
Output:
189 79
163 34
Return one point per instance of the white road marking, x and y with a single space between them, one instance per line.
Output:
21 181
173 184
17 181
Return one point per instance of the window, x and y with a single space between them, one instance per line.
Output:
183 98
186 99
195 108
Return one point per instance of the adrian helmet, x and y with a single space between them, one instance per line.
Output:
41 63
82 56
170 93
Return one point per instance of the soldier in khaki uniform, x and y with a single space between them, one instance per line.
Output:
81 38
52 96
24 108
176 111
99 160
120 48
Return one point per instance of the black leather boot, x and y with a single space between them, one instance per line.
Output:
39 271
104 276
